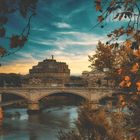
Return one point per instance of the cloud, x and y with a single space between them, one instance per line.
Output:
59 29
18 66
68 39
72 47
39 29
77 61
62 25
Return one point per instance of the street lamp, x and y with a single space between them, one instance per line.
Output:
106 70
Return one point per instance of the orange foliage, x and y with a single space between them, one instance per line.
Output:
128 44
100 18
126 82
127 78
135 68
98 7
119 71
121 98
123 104
138 85
2 51
1 114
122 101
137 53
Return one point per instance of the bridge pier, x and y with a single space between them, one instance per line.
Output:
33 108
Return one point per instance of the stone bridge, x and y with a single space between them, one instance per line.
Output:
34 94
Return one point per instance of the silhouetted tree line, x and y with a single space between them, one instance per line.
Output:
10 80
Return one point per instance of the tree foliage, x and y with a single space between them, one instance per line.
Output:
103 57
123 60
127 50
26 9
96 124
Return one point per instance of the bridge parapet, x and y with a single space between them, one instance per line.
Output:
53 88
34 94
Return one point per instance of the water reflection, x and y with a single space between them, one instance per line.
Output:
44 126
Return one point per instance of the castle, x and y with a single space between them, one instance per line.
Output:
49 72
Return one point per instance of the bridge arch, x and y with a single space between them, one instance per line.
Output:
14 93
84 96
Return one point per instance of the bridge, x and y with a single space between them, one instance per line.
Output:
3 104
34 94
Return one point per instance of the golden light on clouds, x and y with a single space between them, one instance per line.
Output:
22 68
77 65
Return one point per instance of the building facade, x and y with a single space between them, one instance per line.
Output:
49 72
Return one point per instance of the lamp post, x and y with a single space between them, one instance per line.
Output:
106 70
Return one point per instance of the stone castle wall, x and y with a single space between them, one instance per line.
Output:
49 72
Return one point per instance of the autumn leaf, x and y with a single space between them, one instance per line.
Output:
3 20
136 53
137 36
2 32
122 84
135 68
17 41
130 30
128 44
117 15
100 18
14 41
2 51
112 3
121 16
127 78
128 84
119 71
123 104
98 1
98 7
138 85
121 98
125 82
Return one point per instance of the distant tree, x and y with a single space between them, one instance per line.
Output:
26 9
103 57
11 80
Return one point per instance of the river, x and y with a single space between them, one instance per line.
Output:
43 126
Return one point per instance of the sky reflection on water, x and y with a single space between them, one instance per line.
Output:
43 126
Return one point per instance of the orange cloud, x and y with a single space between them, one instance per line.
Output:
77 64
16 68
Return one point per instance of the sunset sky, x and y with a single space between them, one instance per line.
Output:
60 28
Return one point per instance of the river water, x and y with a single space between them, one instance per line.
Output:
44 126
